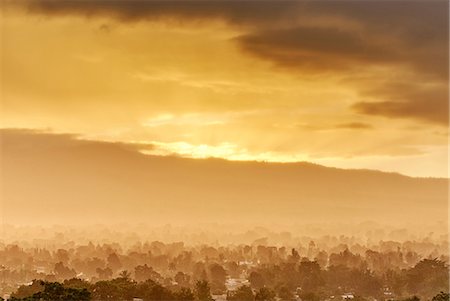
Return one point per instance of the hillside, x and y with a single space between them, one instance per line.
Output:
58 178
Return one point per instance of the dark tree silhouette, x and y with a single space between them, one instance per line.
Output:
243 293
54 291
203 291
265 294
441 297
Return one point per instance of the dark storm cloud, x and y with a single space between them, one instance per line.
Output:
411 32
408 35
316 49
136 10
428 110
426 102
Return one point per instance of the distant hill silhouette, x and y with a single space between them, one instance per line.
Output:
59 178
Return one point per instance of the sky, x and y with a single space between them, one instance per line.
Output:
348 84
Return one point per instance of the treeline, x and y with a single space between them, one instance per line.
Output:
118 289
290 280
424 280
125 289
391 270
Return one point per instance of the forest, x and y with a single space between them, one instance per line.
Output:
389 270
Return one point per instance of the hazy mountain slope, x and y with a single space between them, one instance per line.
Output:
56 178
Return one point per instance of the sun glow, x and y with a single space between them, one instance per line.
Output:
225 150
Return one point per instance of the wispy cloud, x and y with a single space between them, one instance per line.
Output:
192 119
193 81
196 118
225 150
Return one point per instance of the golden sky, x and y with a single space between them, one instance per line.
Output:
346 84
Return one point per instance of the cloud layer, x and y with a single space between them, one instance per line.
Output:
319 37
342 83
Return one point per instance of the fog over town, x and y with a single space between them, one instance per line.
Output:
224 150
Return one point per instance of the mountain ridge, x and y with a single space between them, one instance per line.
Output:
114 180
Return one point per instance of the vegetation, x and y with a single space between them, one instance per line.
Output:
122 289
54 291
159 271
